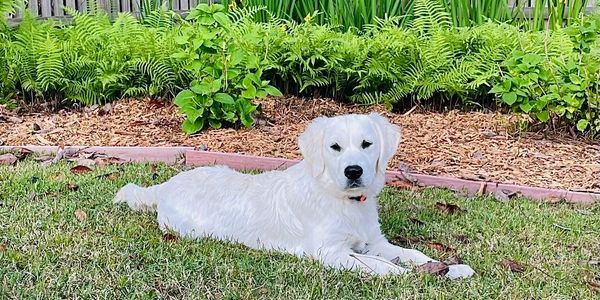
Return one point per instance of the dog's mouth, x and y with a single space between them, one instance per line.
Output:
354 184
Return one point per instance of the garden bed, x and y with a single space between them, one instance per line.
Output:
476 146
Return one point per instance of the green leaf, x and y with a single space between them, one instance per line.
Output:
179 55
216 124
575 79
200 88
192 113
497 89
509 98
543 116
236 57
224 98
184 98
249 93
222 19
526 107
190 127
582 125
181 40
273 91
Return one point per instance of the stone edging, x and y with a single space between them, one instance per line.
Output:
172 155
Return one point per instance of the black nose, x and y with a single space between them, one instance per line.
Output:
353 172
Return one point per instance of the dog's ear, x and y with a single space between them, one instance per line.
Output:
311 145
389 136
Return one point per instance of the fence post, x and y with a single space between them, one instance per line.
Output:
105 5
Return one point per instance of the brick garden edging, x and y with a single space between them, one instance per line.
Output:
173 155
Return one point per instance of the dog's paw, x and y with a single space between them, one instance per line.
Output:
459 271
376 265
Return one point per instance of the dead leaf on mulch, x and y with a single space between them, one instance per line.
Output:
80 169
8 159
513 266
71 186
433 268
440 247
448 208
80 215
169 237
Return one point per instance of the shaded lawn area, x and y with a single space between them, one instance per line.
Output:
47 250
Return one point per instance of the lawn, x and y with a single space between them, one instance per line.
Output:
61 237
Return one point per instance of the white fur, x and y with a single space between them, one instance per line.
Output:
305 210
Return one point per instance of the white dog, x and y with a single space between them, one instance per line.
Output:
324 207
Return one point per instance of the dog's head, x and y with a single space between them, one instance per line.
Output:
347 154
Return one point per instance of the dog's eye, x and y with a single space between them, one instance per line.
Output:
336 147
366 144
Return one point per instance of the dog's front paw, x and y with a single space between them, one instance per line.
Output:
376 265
459 271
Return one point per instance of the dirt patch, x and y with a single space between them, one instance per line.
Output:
466 145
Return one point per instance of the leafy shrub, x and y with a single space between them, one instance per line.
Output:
91 60
559 82
226 77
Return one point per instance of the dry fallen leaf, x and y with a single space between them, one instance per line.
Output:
8 159
80 169
552 199
512 266
505 195
434 268
58 177
102 161
416 221
71 186
109 176
461 238
401 184
439 247
2 247
80 215
453 260
401 240
448 208
169 237
481 189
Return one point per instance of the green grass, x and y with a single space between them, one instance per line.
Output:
118 254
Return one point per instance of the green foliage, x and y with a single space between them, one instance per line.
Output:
226 77
559 83
349 14
91 60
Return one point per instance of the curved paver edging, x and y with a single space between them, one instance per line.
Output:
248 162
240 162
168 155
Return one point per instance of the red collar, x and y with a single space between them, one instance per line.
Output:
360 198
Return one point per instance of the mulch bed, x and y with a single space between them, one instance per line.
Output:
473 145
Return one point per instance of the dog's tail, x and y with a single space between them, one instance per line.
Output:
138 198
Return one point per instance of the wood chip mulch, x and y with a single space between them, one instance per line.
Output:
473 145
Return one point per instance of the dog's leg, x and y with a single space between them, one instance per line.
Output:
415 257
345 259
